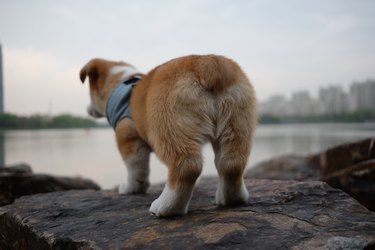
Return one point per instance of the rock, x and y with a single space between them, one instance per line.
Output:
280 214
21 168
350 167
357 180
346 155
286 167
19 180
338 243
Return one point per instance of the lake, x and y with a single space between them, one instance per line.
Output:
92 153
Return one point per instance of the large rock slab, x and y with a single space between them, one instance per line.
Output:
350 167
280 215
19 180
287 167
357 180
342 156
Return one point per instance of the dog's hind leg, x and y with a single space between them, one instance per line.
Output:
232 150
183 171
136 155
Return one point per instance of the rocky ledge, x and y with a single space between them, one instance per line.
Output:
349 167
19 180
280 215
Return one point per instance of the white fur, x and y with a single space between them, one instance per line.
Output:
138 173
127 71
93 110
172 202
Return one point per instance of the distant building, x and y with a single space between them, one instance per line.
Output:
302 104
1 83
275 105
333 100
362 95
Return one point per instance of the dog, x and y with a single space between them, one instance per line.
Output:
172 111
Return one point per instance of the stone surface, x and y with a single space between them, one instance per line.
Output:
19 180
346 155
21 168
350 167
357 180
287 167
280 215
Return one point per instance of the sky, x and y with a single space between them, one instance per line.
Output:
283 46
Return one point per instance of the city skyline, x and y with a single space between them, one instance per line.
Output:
331 99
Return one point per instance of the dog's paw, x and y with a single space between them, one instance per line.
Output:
170 204
228 198
162 209
136 188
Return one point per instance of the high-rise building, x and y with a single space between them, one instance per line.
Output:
302 104
333 100
1 83
362 95
275 105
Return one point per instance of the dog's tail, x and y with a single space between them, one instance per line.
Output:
216 73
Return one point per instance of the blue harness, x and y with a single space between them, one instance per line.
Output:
118 104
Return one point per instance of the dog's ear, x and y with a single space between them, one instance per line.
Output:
83 74
90 70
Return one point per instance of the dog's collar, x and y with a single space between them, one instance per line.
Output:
118 104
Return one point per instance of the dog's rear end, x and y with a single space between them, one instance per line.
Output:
185 103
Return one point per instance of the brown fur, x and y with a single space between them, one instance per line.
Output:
179 106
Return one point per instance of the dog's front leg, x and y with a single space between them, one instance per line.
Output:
136 155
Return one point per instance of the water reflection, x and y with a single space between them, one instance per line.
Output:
93 153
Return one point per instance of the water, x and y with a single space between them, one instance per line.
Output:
92 153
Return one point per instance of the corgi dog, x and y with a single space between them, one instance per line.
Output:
173 110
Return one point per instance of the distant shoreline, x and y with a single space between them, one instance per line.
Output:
358 116
63 121
66 121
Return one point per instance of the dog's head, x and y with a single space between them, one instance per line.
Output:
103 77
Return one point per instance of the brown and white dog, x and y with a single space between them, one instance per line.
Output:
175 109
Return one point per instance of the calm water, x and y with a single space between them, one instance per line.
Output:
92 153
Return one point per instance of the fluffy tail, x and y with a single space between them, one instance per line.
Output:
216 73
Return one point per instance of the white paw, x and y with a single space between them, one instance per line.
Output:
160 209
133 188
170 203
228 197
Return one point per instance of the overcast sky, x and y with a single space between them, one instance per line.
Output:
283 46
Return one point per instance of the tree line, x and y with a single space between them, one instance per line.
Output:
12 121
